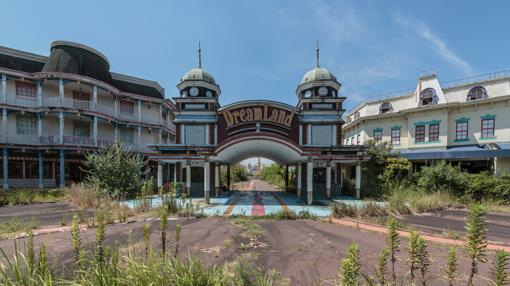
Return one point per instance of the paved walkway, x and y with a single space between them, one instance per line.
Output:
260 199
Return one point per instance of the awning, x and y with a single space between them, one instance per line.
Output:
461 152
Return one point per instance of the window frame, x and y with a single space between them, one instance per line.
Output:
428 93
482 96
434 132
462 131
26 124
123 103
26 90
387 107
484 130
378 136
421 133
395 140
79 128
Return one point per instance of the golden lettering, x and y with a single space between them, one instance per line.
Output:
236 115
228 118
274 116
249 114
242 113
281 116
257 114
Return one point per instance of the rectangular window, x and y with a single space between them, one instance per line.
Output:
488 127
461 131
419 135
81 128
126 135
358 139
25 125
127 106
395 136
433 132
378 136
25 89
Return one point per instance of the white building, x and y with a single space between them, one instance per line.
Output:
58 107
465 121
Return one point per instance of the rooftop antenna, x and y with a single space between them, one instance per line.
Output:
199 56
317 52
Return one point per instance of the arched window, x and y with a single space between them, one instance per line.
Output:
428 97
356 115
385 108
477 93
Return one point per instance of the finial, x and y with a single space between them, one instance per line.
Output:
199 56
317 52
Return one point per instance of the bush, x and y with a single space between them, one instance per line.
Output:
442 176
238 173
115 171
274 174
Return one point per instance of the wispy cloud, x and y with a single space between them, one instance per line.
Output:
438 44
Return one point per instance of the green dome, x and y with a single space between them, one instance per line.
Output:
199 74
317 74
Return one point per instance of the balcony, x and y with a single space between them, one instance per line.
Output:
78 140
127 116
22 101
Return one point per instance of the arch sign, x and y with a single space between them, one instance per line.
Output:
258 117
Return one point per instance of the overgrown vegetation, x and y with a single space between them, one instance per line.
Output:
114 171
238 173
30 196
13 227
275 175
437 186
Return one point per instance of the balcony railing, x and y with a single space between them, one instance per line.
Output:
23 101
78 140
127 116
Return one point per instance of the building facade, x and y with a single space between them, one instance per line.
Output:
57 108
306 137
466 122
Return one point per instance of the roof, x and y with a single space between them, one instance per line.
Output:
317 74
198 74
74 58
458 152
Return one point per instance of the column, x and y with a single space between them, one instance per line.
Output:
61 127
41 169
62 170
298 180
217 179
116 133
39 125
328 180
139 110
188 178
215 134
286 178
139 138
300 135
207 181
94 130
5 158
309 181
160 175
341 174
4 124
358 181
228 176
175 172
116 106
308 134
61 91
39 92
4 88
159 136
161 114
94 97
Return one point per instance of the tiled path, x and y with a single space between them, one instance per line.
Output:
260 199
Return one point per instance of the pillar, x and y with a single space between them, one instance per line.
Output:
39 125
116 106
188 178
161 114
41 169
4 122
116 133
139 110
6 168
94 97
358 181
228 176
328 180
39 93
309 181
341 174
217 179
160 175
61 127
139 137
62 170
61 91
94 130
4 88
298 180
207 181
286 178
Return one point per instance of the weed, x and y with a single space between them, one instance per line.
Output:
476 238
450 269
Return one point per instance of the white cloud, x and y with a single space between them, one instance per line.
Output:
437 43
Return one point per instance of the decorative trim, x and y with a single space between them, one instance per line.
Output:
378 130
462 120
488 116
421 123
396 127
461 140
488 138
427 142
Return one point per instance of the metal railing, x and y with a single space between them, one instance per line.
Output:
78 140
23 101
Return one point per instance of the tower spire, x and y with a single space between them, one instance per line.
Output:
317 53
199 56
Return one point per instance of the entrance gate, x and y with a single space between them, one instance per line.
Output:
307 136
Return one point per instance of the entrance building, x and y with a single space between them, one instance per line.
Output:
307 136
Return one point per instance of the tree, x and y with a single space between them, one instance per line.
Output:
374 168
114 171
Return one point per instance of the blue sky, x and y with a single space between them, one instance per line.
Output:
261 49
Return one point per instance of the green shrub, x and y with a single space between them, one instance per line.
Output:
442 176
